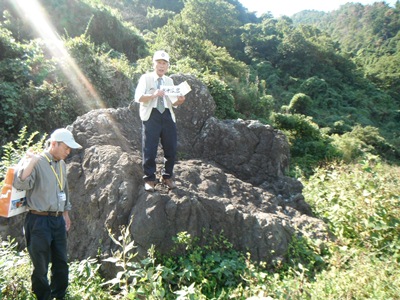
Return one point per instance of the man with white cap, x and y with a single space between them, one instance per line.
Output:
44 177
158 121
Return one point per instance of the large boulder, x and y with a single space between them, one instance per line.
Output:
230 177
210 200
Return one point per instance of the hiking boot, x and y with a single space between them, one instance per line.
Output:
169 183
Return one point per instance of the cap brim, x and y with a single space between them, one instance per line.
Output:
73 144
161 59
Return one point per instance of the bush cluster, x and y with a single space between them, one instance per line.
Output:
358 201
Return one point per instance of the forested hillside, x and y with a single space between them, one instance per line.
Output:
370 37
331 86
329 81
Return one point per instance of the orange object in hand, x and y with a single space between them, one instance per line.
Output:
12 201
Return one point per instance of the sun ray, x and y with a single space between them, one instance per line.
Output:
37 17
32 11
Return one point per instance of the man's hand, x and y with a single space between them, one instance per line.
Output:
154 94
67 220
159 93
180 100
31 158
32 155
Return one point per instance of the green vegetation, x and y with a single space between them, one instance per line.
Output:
329 81
360 202
314 65
15 150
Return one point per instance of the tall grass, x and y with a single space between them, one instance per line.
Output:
360 202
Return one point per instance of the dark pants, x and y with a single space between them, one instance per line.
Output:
46 239
158 127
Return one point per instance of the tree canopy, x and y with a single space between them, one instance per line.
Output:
338 70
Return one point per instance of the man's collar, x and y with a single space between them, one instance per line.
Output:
49 156
155 76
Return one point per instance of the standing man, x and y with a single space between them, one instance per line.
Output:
44 177
158 120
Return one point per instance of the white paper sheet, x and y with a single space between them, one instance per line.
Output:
176 90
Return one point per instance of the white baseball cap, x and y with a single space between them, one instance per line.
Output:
161 55
65 136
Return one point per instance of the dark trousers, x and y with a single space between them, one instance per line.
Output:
159 127
46 239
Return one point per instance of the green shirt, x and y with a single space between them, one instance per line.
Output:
43 185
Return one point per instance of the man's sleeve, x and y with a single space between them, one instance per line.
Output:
67 194
140 88
26 184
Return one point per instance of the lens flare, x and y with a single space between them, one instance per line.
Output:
33 12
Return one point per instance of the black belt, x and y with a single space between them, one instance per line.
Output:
47 213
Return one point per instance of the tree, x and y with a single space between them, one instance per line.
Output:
300 104
262 40
213 20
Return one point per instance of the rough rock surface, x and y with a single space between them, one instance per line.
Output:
230 177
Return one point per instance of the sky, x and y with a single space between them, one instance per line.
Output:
279 8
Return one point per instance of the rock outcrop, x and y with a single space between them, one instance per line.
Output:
230 177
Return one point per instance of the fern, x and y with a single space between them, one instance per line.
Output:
14 151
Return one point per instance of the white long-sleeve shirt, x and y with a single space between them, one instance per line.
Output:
147 85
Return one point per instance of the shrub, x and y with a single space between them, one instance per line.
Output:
223 97
108 80
214 268
314 86
300 104
190 270
361 142
85 281
309 146
23 71
12 152
360 203
15 271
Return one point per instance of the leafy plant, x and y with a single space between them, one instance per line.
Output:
15 270
360 203
135 278
213 268
300 104
200 272
223 97
309 146
86 281
14 151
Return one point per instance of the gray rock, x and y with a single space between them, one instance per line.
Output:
230 177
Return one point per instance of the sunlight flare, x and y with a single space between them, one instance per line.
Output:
33 12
